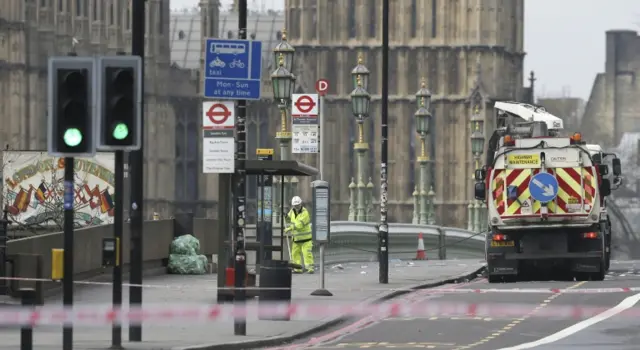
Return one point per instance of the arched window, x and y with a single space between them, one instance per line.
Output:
351 18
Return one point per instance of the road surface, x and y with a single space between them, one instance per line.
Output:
552 320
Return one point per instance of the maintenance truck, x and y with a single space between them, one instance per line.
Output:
544 193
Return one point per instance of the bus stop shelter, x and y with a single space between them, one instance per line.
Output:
226 202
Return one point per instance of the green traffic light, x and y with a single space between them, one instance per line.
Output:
121 131
72 137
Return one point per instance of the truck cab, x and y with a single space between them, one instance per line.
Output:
544 198
599 157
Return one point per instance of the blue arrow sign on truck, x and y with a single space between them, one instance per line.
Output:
233 69
543 187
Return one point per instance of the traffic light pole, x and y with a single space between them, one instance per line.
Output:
67 273
383 228
240 189
67 276
136 165
118 220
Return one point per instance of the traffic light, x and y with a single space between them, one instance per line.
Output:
70 107
119 99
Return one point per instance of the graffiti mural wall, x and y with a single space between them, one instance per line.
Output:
33 188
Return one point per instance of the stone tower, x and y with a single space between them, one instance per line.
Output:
469 51
613 105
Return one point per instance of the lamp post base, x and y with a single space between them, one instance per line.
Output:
321 293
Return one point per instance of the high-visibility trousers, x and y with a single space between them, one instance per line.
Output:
304 249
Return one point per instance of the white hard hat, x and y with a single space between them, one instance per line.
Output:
296 200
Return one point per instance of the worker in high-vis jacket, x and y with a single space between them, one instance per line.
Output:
300 231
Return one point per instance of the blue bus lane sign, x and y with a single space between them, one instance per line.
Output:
233 69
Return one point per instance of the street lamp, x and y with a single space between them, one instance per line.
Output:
477 144
360 104
477 147
422 121
360 71
285 50
360 100
283 83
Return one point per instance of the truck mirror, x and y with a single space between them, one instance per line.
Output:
480 174
480 191
605 188
603 169
617 168
597 158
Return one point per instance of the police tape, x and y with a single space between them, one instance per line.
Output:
439 290
200 288
92 315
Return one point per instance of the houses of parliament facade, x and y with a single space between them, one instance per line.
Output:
470 53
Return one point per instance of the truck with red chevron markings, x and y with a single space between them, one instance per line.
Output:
545 198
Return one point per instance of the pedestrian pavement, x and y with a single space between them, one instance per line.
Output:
349 283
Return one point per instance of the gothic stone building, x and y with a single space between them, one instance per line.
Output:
470 53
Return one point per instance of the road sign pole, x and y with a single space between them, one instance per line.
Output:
67 276
321 146
136 164
240 187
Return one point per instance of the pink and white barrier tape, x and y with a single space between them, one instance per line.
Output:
442 290
87 315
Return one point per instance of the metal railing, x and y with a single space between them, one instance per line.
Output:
353 241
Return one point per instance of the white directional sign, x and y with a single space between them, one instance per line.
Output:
304 120
218 141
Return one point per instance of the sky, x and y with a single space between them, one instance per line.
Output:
564 39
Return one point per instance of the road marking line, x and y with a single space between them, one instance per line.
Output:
517 321
626 304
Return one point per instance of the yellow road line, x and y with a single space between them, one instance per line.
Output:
517 321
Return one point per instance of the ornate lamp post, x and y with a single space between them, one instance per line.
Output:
423 120
477 148
286 50
360 103
283 83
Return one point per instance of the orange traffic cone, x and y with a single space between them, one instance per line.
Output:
420 254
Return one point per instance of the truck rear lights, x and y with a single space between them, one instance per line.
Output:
590 235
500 237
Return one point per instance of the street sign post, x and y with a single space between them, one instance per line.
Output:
322 87
304 120
543 187
321 226
233 69
218 143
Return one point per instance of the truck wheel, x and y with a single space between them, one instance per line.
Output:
599 276
494 279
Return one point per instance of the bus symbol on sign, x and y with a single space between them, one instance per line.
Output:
227 48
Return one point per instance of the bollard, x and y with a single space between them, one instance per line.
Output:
28 296
442 244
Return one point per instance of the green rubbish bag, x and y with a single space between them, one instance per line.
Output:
185 245
187 264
